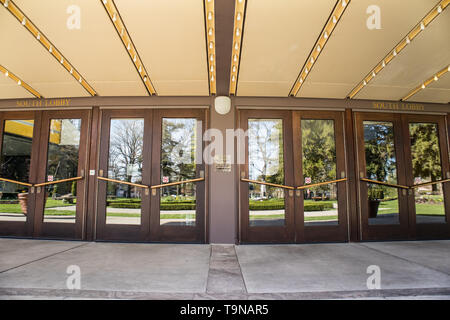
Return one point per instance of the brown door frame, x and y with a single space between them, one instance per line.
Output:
19 228
176 233
381 232
75 230
338 233
275 234
431 230
111 232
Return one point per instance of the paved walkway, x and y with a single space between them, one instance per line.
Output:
37 269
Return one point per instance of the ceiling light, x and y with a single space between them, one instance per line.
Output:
62 60
436 78
239 16
234 69
301 80
210 31
422 26
235 58
394 53
71 71
134 58
6 73
121 32
140 69
211 69
312 60
373 74
344 3
50 49
439 9
238 32
210 15
423 86
233 78
6 4
105 1
80 80
306 70
365 83
318 48
334 19
211 58
325 35
212 77
383 64
211 45
114 18
408 41
128 46
236 46
145 78
24 21
38 36
19 82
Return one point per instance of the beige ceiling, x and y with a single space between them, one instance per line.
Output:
23 55
95 49
278 37
438 92
353 49
420 60
10 90
170 38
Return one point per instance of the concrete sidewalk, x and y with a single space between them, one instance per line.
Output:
35 269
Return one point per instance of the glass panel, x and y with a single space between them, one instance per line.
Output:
266 163
319 165
62 163
381 165
426 163
123 202
178 163
15 165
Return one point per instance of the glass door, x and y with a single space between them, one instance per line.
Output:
178 176
18 158
320 172
382 182
267 179
60 188
123 201
428 176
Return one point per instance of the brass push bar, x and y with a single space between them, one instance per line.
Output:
429 183
320 184
124 182
57 181
268 184
16 182
385 184
176 183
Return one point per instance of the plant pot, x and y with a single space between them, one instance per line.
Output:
23 200
373 208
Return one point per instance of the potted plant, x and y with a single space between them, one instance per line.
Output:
375 197
23 201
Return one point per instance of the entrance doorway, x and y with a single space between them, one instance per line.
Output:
404 178
293 184
151 178
43 160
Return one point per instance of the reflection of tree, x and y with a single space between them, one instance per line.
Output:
380 156
266 160
125 151
178 145
425 151
319 151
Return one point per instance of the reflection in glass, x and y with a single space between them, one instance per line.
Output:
319 165
62 163
426 163
266 163
15 165
123 202
381 165
178 163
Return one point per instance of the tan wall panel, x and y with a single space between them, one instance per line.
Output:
171 41
353 50
95 49
278 36
25 56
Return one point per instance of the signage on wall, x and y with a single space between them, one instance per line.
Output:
398 106
222 163
43 103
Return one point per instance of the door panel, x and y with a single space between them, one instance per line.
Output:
123 208
60 190
427 153
17 162
178 180
319 162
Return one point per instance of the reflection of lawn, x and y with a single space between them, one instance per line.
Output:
281 216
391 206
15 208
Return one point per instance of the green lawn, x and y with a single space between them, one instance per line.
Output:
421 208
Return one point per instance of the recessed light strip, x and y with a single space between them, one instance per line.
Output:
211 44
427 82
31 27
19 81
438 9
331 24
119 25
239 14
